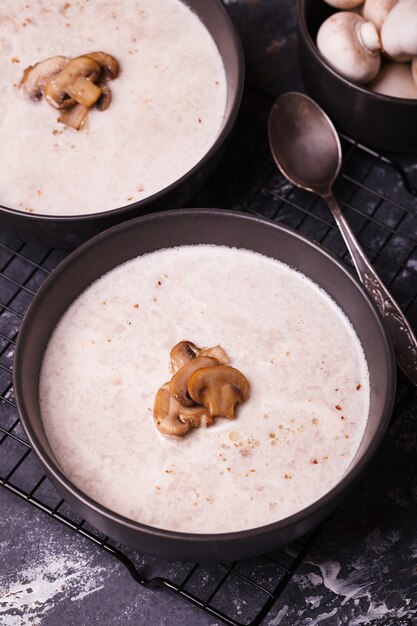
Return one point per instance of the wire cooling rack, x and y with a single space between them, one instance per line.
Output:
377 197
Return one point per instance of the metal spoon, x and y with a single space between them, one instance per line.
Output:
306 148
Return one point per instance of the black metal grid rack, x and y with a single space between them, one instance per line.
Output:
378 201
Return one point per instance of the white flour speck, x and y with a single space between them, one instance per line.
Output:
314 601
277 620
28 596
356 585
379 612
320 618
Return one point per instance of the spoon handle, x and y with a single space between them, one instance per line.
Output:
403 339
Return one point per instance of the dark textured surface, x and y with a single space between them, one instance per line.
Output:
362 569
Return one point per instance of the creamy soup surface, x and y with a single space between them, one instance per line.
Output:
290 443
167 108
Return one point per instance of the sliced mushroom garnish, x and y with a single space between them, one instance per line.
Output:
104 100
74 117
72 85
84 91
85 71
179 382
216 352
219 389
109 64
181 354
35 77
185 351
171 418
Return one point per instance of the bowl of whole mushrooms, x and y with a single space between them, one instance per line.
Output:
358 59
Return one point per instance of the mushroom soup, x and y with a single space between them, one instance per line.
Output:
291 441
166 111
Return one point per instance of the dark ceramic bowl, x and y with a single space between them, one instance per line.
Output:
195 226
69 231
382 122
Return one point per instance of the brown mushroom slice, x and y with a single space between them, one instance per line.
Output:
84 91
36 77
185 351
171 418
56 91
179 382
181 354
104 101
219 389
74 117
109 64
216 352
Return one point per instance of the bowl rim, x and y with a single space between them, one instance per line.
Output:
52 468
305 32
226 128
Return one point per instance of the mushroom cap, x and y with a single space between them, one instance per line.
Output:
181 354
414 70
395 79
179 382
399 31
105 98
219 389
171 418
35 77
109 64
376 11
351 46
344 4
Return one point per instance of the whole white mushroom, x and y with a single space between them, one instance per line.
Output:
351 45
395 79
399 31
376 11
414 70
344 4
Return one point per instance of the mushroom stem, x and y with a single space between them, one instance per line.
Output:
74 117
369 37
221 402
84 91
219 388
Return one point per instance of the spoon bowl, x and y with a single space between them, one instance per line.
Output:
306 149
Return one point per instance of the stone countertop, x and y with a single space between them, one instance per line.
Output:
363 567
